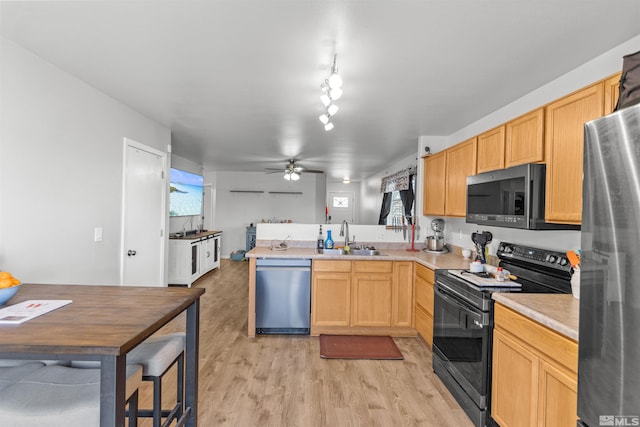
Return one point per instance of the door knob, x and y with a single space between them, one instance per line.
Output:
131 253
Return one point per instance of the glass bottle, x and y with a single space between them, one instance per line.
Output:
328 244
320 242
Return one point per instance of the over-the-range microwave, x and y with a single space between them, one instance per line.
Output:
512 197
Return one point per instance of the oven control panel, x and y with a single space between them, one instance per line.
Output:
548 258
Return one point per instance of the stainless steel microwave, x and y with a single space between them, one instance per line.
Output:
512 197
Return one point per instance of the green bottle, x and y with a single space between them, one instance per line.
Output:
328 244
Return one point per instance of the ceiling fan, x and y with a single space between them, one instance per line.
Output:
292 170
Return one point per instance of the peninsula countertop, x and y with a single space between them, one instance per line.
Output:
434 261
559 312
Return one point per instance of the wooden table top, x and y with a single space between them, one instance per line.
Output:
101 320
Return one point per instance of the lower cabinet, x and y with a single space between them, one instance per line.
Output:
424 302
190 259
534 379
362 297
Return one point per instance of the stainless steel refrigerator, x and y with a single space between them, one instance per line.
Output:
609 341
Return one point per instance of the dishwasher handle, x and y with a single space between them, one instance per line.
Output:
282 268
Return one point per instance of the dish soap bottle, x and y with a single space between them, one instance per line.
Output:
328 244
320 242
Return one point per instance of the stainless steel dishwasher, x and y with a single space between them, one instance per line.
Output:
283 296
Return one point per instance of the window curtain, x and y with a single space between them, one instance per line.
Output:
386 208
399 181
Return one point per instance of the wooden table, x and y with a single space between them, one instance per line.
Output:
103 323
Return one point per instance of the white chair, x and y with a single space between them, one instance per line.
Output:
60 396
157 355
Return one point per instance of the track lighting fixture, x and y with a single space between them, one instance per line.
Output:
331 89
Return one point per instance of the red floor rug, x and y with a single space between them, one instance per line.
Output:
358 347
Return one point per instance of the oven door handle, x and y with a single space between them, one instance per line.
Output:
479 318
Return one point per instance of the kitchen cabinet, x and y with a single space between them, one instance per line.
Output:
362 297
564 138
534 375
424 280
434 184
491 150
524 139
372 293
331 293
611 93
192 257
402 294
460 163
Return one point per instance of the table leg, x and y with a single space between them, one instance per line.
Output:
191 362
113 380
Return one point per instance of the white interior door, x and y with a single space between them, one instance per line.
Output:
208 199
144 212
341 206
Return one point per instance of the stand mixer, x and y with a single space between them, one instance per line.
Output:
481 240
435 243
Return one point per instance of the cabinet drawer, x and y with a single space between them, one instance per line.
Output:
373 266
425 273
332 266
424 324
548 342
424 294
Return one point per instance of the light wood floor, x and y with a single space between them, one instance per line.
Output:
282 381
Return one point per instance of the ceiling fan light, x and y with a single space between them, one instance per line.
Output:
324 119
324 98
332 109
328 126
335 93
295 176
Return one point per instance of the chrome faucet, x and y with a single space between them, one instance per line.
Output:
345 225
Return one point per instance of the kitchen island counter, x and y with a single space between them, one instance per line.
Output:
558 312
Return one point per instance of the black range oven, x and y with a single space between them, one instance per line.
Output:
463 320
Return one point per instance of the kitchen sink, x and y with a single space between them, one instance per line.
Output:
331 251
340 251
368 252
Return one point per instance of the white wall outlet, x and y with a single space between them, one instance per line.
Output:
97 234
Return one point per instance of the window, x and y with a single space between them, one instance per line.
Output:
397 211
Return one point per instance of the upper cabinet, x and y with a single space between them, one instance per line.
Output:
564 138
460 163
611 93
434 182
491 150
524 141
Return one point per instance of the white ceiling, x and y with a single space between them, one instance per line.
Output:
237 81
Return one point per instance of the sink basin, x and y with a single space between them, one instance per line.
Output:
331 251
367 252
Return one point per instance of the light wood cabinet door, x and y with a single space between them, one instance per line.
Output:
557 397
524 139
611 93
564 136
491 150
433 184
514 386
424 279
460 163
402 298
371 302
331 293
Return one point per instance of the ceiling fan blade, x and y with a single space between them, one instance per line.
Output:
311 171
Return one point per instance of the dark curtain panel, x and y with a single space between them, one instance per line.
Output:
386 208
407 200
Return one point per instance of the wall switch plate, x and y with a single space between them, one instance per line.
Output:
97 234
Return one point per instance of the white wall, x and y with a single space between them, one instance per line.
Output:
235 211
456 230
61 146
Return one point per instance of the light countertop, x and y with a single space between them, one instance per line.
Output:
559 312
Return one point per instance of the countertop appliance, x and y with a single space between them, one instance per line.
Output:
512 197
609 347
481 240
463 320
435 243
283 296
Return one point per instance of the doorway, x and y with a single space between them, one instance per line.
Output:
144 215
340 204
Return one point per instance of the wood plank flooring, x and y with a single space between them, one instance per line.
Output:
282 381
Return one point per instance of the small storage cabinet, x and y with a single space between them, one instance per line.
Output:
193 256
